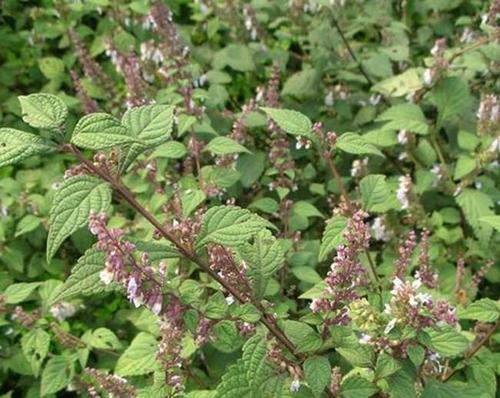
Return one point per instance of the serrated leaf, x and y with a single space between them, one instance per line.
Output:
484 310
19 292
302 84
452 98
317 372
255 360
16 145
151 125
476 205
357 145
386 366
229 225
139 358
45 111
292 122
72 205
100 131
224 146
234 383
263 258
449 343
357 387
35 345
397 86
226 336
436 389
56 375
493 221
303 336
464 166
171 149
405 117
374 192
84 279
332 236
190 200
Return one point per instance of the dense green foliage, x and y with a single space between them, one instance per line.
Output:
228 199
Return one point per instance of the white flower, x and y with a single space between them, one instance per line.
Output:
428 76
478 185
106 277
424 298
375 99
403 191
229 300
379 230
403 137
364 339
61 311
295 386
390 325
495 145
329 99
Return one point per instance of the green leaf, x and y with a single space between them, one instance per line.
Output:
317 372
27 224
236 56
151 125
452 98
224 146
398 86
255 359
357 145
190 200
436 389
449 343
51 67
100 131
359 355
493 221
234 383
303 84
405 117
476 205
56 375
227 338
374 192
303 336
229 225
332 236
19 292
484 310
157 251
267 205
386 366
84 279
292 122
357 387
104 339
139 358
35 345
45 111
171 149
464 166
16 146
263 258
306 209
72 205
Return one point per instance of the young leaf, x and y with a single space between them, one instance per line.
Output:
263 258
16 145
190 200
374 192
56 375
45 111
72 205
35 345
84 279
100 131
305 338
464 166
317 372
139 358
386 366
292 122
224 146
449 343
332 236
357 145
19 292
151 124
229 225
171 149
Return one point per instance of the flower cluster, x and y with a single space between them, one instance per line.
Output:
346 272
113 385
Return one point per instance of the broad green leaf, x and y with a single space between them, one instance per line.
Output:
151 125
306 274
476 205
255 360
16 145
332 236
45 111
84 279
306 209
19 292
436 389
464 166
358 355
405 117
303 84
229 225
236 56
35 345
190 200
73 203
234 383
56 375
386 366
267 205
171 149
224 146
317 372
374 192
357 145
226 336
402 384
493 221
357 387
449 343
292 122
105 339
305 338
100 131
139 358
51 67
484 310
452 98
263 258
27 224
398 86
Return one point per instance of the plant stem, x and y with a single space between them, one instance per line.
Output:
266 319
